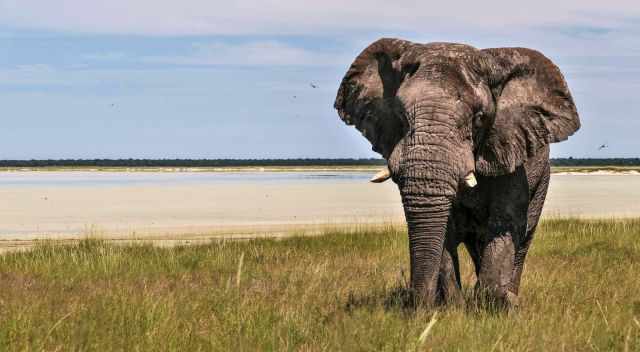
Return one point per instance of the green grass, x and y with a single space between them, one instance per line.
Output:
335 292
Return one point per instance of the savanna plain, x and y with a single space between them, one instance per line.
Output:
342 291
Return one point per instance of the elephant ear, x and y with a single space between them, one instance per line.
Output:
533 109
367 97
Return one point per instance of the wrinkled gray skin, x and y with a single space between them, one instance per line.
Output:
439 111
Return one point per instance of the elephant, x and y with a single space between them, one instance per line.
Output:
465 133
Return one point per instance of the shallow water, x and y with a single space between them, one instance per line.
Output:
107 179
44 204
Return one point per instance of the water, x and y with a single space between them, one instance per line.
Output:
37 204
109 179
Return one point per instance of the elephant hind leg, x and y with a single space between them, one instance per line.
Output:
533 217
518 266
473 248
449 278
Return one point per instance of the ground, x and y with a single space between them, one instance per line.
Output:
339 291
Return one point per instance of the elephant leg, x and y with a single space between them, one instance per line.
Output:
496 269
449 277
456 266
535 210
518 266
473 248
506 232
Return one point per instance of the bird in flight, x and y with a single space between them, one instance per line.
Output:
313 85
602 147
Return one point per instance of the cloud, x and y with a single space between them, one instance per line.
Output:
246 17
255 53
35 69
106 56
31 75
585 31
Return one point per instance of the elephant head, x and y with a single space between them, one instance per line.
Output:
442 112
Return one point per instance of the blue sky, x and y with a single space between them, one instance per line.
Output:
210 79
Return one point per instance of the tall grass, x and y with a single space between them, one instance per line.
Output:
339 291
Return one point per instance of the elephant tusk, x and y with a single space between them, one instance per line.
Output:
381 176
470 180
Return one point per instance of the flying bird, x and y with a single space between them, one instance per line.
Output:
602 147
313 85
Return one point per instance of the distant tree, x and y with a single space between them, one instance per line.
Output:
570 161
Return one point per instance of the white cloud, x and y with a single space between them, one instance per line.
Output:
106 56
35 69
27 75
257 53
169 17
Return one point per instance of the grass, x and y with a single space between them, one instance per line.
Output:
330 293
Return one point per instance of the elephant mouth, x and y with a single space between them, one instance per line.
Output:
470 180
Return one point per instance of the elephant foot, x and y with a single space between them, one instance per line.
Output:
423 298
494 278
495 298
512 300
446 292
449 295
429 296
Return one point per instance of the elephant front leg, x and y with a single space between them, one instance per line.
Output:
496 269
505 232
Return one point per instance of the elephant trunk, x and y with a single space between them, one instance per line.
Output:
433 167
427 226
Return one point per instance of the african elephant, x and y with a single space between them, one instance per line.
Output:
466 136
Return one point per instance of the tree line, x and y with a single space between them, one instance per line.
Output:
596 162
188 162
266 162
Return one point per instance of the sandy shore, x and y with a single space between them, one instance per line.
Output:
169 214
599 173
199 211
559 170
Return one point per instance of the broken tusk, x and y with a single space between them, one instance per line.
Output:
381 176
470 180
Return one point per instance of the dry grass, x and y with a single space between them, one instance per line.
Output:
341 291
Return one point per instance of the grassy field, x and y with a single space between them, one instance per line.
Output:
339 291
